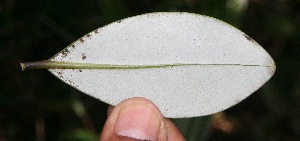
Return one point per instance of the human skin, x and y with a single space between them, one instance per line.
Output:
137 119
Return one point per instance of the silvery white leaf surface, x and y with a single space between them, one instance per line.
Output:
226 65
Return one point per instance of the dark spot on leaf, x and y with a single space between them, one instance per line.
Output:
248 38
96 31
71 82
80 70
73 46
119 21
60 74
81 40
65 52
83 56
88 35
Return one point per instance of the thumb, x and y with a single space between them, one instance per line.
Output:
138 119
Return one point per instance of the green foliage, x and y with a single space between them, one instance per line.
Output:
36 106
81 135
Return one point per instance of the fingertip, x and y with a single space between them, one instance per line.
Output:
136 119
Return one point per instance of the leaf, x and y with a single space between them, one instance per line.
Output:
187 64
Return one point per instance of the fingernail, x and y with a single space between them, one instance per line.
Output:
138 122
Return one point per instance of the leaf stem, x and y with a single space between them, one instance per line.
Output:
71 65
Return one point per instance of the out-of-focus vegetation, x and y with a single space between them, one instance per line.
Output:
34 105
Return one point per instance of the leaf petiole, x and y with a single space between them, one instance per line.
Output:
72 65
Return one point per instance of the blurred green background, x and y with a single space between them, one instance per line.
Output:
36 106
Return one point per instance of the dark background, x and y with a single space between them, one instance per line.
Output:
34 105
